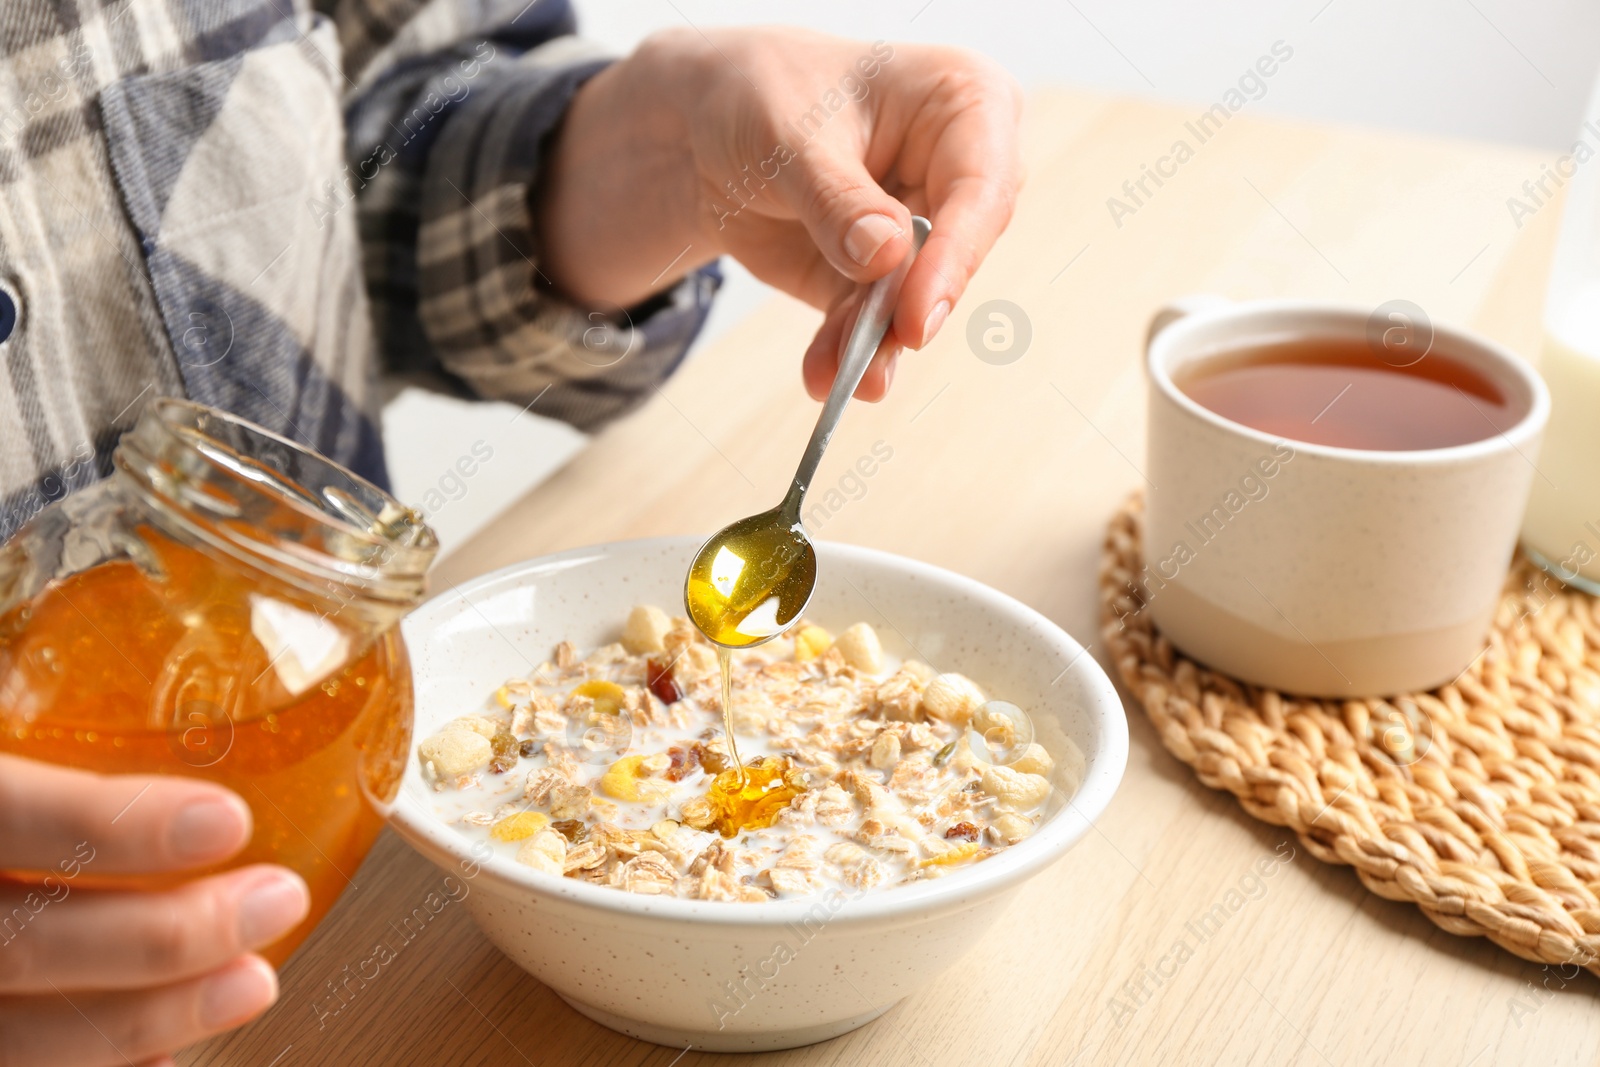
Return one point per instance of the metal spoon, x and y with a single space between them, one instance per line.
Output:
755 576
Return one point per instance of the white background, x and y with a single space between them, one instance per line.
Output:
1485 69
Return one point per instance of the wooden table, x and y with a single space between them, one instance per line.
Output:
1008 473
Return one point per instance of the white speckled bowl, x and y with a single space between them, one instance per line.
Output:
786 973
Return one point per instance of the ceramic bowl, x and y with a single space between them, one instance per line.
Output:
737 976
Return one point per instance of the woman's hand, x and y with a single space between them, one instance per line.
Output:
90 976
801 155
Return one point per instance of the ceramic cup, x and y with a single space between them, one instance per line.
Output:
1326 571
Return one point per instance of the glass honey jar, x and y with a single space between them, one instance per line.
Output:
224 605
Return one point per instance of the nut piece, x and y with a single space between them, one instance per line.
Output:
885 751
811 642
951 698
1010 828
454 753
995 724
475 723
545 851
1015 788
646 630
1034 760
860 648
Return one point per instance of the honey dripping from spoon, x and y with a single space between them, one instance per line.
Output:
725 661
751 580
748 591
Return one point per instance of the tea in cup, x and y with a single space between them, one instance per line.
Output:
1334 496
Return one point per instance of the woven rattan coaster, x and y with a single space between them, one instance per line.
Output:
1478 801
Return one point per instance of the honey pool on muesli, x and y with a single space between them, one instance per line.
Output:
860 772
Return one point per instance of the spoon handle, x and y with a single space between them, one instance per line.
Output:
877 311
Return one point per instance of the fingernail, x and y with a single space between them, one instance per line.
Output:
935 319
271 908
207 829
237 994
868 234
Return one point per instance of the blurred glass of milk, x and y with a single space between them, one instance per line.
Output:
1562 529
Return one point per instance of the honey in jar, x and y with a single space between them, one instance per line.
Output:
224 607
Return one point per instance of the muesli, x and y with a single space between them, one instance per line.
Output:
860 772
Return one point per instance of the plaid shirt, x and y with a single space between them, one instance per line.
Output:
250 202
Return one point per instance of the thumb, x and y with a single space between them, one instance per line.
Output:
860 229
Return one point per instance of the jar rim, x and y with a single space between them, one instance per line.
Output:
279 505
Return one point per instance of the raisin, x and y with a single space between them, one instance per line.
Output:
685 761
505 748
962 831
571 829
661 681
529 748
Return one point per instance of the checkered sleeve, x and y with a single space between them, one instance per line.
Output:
444 147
